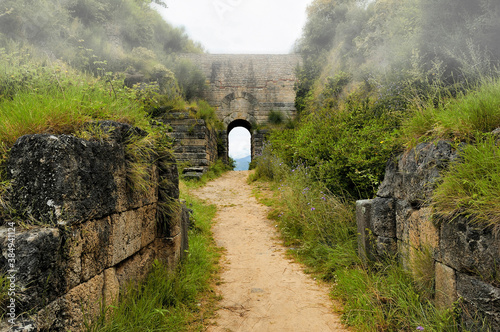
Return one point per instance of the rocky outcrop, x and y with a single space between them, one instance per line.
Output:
399 223
87 231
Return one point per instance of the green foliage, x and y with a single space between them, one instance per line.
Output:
460 119
191 79
56 99
90 33
202 110
387 300
346 149
167 300
275 117
471 185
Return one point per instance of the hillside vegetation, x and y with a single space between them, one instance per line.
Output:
379 77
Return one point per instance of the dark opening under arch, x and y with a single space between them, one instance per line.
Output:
239 123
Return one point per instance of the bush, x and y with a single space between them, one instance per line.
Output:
275 117
345 148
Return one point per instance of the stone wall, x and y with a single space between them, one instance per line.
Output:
462 257
88 232
195 144
248 87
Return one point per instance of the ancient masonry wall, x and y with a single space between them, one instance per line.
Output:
195 144
98 232
248 87
462 257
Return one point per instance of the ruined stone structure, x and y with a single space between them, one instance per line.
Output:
462 257
195 144
91 231
246 88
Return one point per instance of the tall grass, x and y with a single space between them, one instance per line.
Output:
171 300
321 231
62 103
471 185
460 118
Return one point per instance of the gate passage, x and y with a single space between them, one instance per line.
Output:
245 89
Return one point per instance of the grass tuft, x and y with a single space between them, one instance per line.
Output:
459 119
471 185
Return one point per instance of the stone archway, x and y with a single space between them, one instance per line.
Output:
238 105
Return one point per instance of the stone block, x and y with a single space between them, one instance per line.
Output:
136 267
387 247
64 179
111 288
95 239
481 304
168 250
446 286
70 311
413 175
148 229
403 213
470 248
40 266
363 221
126 235
383 217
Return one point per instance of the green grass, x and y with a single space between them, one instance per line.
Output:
471 185
168 300
459 119
4 294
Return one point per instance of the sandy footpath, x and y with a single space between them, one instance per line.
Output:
262 290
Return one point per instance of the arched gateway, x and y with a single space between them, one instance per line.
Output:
246 88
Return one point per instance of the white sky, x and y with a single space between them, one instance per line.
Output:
239 143
239 27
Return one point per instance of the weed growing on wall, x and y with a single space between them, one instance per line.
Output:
471 185
459 119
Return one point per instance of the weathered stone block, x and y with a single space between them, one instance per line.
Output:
386 247
446 286
148 228
470 248
168 250
71 310
63 178
95 239
136 267
383 217
126 238
363 221
412 177
111 287
39 265
481 301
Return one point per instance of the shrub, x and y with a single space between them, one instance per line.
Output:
275 117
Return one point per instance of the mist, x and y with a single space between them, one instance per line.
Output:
388 40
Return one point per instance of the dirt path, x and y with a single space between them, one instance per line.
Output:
262 290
